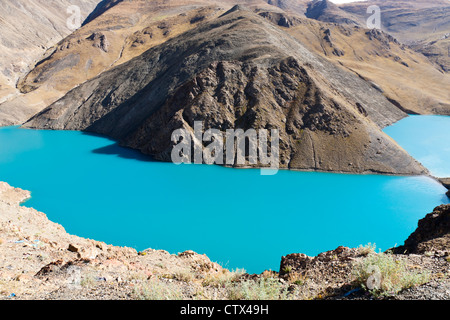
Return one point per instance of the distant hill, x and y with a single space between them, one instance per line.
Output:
423 24
327 11
239 71
28 29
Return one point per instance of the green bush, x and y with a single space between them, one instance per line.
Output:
383 274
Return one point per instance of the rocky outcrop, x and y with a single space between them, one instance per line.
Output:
431 235
280 19
239 71
331 269
446 183
327 11
99 41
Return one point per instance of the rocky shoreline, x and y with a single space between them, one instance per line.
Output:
40 261
446 183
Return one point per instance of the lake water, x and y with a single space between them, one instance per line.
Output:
427 139
239 218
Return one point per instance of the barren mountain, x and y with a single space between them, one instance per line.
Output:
327 11
405 77
118 31
239 71
425 25
28 28
114 32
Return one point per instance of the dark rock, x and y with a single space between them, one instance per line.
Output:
99 41
73 248
432 233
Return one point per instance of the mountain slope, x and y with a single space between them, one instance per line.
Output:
406 77
239 71
425 25
28 28
327 11
115 32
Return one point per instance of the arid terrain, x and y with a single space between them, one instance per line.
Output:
138 70
41 261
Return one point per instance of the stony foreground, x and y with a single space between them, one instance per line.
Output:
39 260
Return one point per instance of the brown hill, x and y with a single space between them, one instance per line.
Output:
239 71
422 24
114 39
404 76
27 29
327 11
115 32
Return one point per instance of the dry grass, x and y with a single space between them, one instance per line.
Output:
383 274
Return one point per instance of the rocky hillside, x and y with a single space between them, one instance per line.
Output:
28 29
345 82
239 71
114 32
327 11
112 36
397 71
41 261
423 24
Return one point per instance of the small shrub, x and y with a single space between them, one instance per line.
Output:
88 281
367 249
383 275
262 289
156 290
184 275
297 278
223 278
287 269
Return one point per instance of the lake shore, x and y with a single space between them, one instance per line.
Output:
40 260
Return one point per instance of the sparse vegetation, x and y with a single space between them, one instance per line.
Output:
222 279
185 275
367 249
261 289
287 269
88 280
156 290
297 278
383 274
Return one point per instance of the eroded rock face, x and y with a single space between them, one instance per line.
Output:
431 235
239 71
330 271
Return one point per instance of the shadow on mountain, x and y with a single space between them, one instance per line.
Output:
101 8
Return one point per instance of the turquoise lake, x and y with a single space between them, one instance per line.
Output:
427 139
239 218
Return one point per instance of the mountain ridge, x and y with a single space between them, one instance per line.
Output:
323 111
